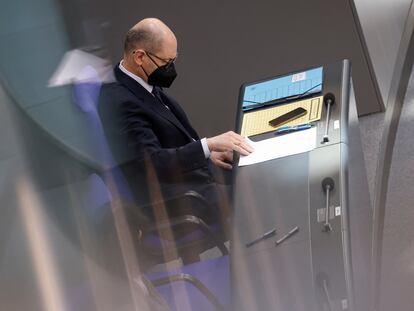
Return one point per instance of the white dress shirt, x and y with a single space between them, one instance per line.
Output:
149 88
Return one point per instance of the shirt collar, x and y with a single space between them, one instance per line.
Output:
141 81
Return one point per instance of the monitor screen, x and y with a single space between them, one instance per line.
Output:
275 90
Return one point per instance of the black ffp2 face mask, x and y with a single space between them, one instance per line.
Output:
163 76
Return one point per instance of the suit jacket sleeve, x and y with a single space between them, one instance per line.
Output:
143 140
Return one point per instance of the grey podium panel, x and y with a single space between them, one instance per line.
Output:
276 279
290 194
330 256
275 195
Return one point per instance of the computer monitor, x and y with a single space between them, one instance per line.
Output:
283 88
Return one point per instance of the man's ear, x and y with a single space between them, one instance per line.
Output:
138 56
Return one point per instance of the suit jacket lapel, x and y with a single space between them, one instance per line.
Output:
146 97
180 114
169 115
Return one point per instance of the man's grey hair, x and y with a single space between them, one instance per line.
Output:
142 39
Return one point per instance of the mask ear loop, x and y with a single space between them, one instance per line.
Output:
142 67
146 53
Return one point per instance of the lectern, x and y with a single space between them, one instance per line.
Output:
322 193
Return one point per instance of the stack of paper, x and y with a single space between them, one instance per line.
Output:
280 146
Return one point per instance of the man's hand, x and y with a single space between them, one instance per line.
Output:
222 159
229 141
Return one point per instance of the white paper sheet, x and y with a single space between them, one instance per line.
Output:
281 146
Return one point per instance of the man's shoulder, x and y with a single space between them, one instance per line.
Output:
117 92
116 95
115 98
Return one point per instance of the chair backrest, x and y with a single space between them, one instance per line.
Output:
214 274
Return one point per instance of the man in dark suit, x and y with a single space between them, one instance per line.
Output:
168 158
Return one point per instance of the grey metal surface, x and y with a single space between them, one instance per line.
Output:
272 195
398 90
382 28
360 213
397 270
329 257
336 272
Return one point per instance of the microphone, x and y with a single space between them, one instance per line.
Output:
329 99
328 182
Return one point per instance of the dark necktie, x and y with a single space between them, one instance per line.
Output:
157 94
